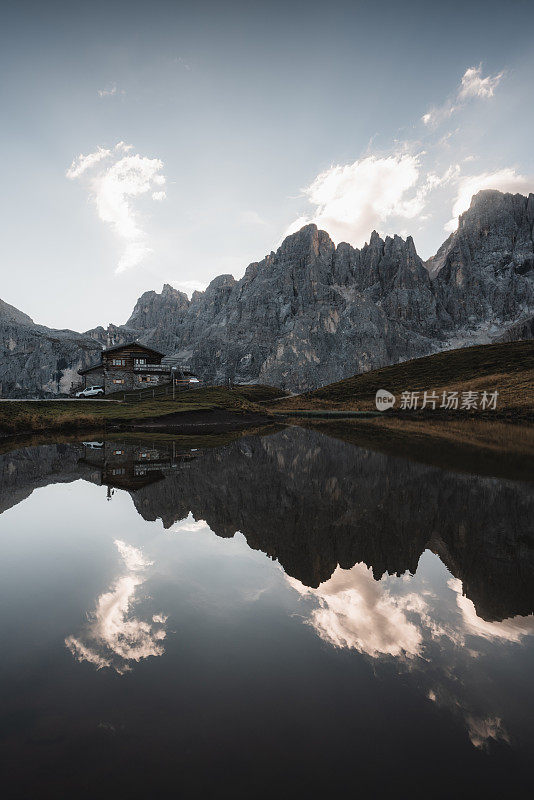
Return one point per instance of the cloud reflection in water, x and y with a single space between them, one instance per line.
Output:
112 638
388 619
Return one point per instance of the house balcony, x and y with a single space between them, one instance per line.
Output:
160 368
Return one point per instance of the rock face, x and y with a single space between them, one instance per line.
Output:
312 313
37 361
485 270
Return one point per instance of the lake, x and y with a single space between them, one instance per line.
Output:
284 614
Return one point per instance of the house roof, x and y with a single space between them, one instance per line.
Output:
120 347
129 344
91 368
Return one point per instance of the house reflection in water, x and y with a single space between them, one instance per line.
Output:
132 466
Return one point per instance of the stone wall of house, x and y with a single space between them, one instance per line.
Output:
119 380
95 378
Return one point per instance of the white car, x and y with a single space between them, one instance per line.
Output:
91 391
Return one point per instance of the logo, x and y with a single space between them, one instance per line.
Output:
384 400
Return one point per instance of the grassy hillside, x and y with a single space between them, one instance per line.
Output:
26 416
507 368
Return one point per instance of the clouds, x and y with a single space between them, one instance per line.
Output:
113 638
357 612
472 86
407 620
482 730
84 163
352 200
114 178
189 525
513 629
110 91
505 180
190 286
411 182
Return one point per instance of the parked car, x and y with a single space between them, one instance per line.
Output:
90 391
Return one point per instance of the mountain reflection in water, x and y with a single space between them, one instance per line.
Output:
416 569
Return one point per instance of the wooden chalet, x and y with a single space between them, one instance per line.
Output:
126 367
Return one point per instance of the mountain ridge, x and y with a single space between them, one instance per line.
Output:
311 312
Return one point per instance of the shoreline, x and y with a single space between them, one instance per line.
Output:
179 422
496 447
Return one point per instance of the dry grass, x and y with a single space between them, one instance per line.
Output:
25 417
506 368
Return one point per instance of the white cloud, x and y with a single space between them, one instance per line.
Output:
117 177
110 91
352 200
357 612
384 619
505 180
190 286
383 191
83 163
483 729
513 629
113 638
188 525
472 86
296 225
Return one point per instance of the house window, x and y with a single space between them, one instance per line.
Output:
118 471
118 452
146 378
118 380
118 362
140 362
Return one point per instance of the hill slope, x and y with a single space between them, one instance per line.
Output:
505 367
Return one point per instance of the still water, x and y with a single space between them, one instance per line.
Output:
286 615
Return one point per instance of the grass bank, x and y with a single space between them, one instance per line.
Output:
507 368
23 417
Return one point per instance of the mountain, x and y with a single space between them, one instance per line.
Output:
312 313
38 361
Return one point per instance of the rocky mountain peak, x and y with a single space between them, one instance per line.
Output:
311 313
153 308
9 313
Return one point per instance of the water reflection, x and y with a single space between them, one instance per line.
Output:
113 638
315 504
398 612
433 636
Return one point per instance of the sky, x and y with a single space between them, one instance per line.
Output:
159 142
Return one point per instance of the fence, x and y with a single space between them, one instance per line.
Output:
163 390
